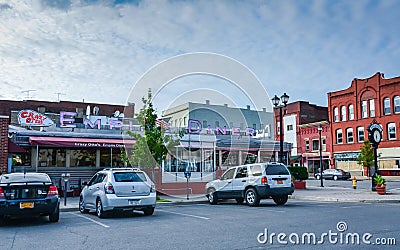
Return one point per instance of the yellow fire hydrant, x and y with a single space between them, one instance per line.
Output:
354 183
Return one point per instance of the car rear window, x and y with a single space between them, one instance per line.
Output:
20 177
276 169
129 177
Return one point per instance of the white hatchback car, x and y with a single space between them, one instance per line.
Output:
120 189
251 183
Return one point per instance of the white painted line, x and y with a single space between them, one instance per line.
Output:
98 223
189 215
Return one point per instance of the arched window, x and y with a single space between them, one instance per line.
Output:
343 113
364 112
396 104
351 112
386 106
336 114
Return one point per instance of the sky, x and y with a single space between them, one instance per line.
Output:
97 50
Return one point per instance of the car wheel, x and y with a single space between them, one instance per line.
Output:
252 197
148 211
280 200
55 216
99 209
212 196
82 208
335 177
239 200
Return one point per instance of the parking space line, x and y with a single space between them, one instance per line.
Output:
98 223
189 215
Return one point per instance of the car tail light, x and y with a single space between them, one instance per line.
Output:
109 189
342 172
152 188
264 180
2 196
53 191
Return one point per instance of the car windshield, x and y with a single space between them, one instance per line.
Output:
129 177
20 177
277 169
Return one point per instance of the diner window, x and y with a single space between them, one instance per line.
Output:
386 106
339 136
83 157
364 112
343 113
391 131
307 145
351 112
360 134
396 104
52 157
336 114
349 135
315 145
372 108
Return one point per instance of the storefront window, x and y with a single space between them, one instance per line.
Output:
83 157
23 159
52 157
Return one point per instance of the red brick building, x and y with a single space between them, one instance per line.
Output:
351 111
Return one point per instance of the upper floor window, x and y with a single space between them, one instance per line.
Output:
360 134
336 114
323 144
343 113
204 123
339 136
289 127
364 112
371 108
278 127
349 135
386 106
315 145
391 131
396 104
351 112
307 145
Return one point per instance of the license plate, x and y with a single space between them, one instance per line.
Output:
134 202
279 181
23 205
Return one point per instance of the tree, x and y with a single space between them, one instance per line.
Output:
366 157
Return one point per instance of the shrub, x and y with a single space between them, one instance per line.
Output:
298 173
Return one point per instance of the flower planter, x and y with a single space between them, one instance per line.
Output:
381 189
299 184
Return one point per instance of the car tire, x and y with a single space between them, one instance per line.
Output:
82 208
280 200
239 200
99 209
55 216
252 198
212 196
335 177
148 211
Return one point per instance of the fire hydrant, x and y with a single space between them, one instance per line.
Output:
354 183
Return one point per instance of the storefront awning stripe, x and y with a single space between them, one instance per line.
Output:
79 142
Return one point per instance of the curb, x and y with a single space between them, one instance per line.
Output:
324 199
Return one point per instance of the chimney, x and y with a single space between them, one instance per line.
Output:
208 102
264 109
129 111
225 105
248 107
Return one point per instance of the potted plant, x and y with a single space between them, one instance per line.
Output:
299 175
380 184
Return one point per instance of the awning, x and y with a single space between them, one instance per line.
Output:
14 148
80 142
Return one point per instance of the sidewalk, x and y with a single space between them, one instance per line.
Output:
312 193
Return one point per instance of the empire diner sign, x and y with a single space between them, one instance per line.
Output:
32 118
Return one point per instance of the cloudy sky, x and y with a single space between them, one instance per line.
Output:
96 50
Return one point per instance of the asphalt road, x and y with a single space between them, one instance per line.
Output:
224 226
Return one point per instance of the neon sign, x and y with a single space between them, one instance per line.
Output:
195 127
33 119
67 120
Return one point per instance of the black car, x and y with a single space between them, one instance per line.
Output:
333 174
28 194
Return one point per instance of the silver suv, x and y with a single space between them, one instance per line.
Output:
251 183
120 189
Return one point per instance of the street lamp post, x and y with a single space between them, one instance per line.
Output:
320 153
284 99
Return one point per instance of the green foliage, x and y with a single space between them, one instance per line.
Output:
366 157
379 180
298 173
151 149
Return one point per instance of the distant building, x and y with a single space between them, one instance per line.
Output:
351 111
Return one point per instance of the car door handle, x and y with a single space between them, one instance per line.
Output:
243 180
229 182
98 187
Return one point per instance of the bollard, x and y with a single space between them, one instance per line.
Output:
354 183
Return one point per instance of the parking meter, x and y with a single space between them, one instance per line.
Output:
187 173
65 178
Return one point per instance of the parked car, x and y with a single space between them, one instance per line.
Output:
28 194
333 174
252 182
118 189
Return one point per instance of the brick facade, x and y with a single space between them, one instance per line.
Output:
4 120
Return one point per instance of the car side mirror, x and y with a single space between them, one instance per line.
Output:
84 183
